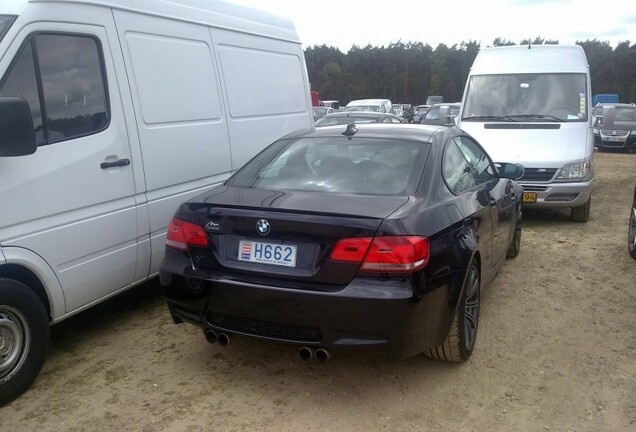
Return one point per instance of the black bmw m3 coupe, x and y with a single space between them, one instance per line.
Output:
371 238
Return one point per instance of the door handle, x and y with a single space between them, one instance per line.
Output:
117 163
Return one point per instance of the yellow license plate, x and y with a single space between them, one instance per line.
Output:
529 197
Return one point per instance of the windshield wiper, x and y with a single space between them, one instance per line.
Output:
538 117
488 117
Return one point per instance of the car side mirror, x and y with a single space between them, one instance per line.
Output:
17 137
510 170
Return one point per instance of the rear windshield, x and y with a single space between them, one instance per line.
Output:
357 166
5 23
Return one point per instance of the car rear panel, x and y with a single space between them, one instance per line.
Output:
310 223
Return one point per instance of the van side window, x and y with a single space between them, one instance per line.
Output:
61 76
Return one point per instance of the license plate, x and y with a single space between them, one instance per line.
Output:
267 253
615 139
529 197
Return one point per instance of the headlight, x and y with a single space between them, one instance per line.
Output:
577 170
595 131
633 132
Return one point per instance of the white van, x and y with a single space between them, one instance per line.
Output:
113 112
376 105
531 105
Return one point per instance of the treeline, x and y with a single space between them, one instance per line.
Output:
409 72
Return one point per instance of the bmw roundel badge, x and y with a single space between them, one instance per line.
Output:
262 226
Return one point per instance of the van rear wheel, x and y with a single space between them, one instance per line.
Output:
24 338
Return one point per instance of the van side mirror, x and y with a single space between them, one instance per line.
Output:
608 116
510 170
17 137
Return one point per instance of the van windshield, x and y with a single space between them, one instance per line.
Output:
5 23
556 97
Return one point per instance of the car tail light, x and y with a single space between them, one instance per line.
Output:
182 234
384 254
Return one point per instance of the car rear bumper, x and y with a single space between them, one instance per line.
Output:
369 315
558 195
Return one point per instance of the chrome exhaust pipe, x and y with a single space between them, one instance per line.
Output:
323 355
223 339
210 336
306 353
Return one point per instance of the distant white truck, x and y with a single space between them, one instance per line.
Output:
112 113
531 105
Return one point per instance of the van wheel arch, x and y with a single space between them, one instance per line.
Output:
27 277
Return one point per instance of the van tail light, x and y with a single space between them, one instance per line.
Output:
384 254
182 234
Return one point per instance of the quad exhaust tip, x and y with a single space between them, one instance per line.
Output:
222 338
321 355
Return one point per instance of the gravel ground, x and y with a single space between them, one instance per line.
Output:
556 351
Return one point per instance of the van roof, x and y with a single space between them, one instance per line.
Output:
217 13
536 59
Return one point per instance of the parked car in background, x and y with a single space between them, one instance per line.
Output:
432 115
631 232
332 103
419 112
320 111
376 105
621 135
368 238
397 110
345 117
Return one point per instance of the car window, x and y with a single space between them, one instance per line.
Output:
358 166
625 114
64 72
456 172
433 113
477 159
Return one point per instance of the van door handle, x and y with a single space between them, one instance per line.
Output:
118 163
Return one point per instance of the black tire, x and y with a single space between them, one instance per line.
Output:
515 245
582 213
460 341
24 333
631 232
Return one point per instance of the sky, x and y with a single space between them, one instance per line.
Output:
344 23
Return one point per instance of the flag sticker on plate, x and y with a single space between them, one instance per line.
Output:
246 250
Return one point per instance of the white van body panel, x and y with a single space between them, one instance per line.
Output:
185 84
551 143
533 147
516 59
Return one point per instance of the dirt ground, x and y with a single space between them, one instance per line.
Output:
556 351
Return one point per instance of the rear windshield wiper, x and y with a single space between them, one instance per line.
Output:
538 117
488 117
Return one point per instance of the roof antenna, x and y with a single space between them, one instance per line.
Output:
351 130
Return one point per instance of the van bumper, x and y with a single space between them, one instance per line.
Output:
558 195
